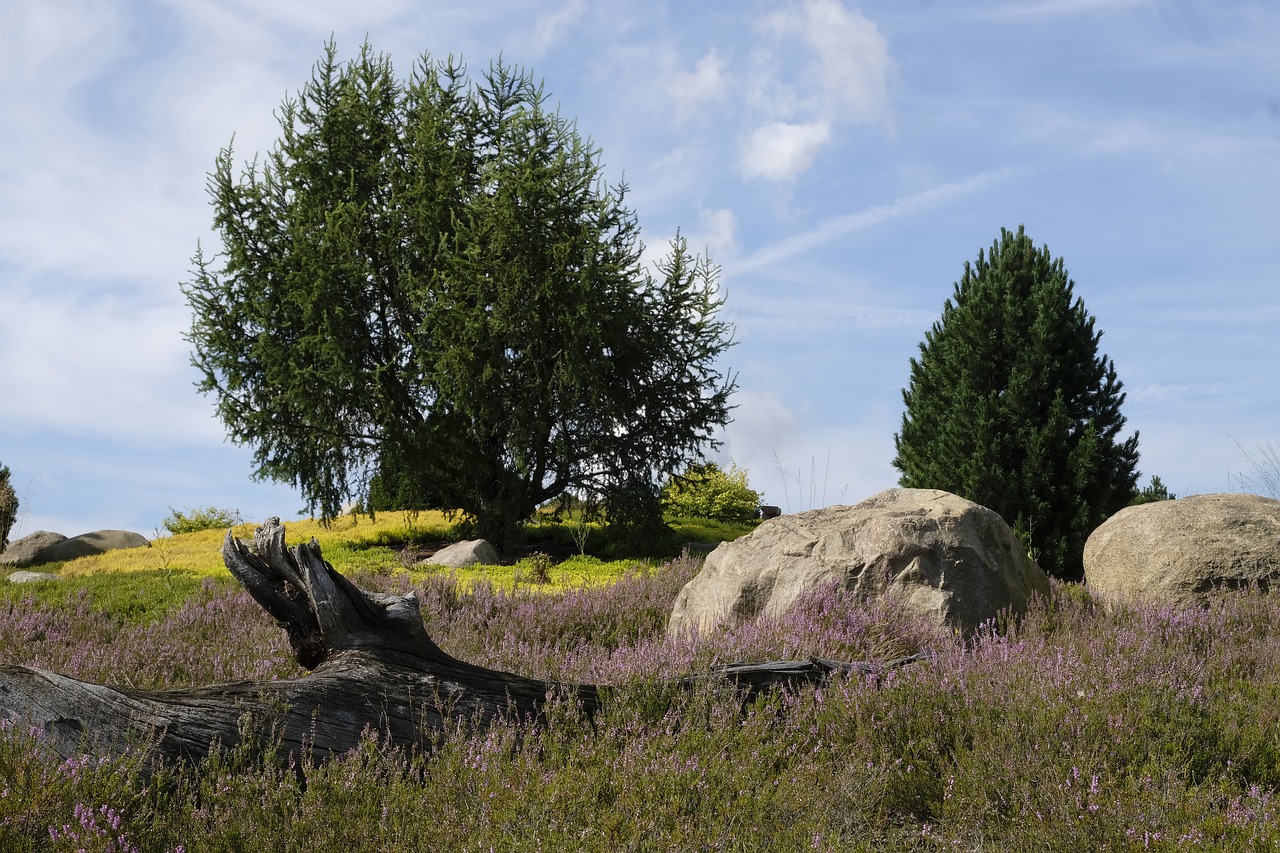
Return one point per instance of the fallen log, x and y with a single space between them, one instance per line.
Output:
372 667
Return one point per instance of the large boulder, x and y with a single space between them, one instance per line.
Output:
27 550
97 542
43 547
1177 552
945 558
462 554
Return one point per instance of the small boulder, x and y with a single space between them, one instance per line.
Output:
947 559
27 550
462 554
31 577
1179 551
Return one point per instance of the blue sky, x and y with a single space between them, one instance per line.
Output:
840 160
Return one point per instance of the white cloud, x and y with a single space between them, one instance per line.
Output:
706 83
822 66
717 233
101 367
842 71
850 62
553 27
780 151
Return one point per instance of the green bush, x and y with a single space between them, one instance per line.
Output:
706 491
8 507
197 518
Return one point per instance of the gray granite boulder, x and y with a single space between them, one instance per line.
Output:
462 554
44 547
31 577
97 542
945 558
1178 552
27 550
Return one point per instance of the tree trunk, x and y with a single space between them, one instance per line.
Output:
373 667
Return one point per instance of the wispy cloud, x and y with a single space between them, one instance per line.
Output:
551 28
716 233
841 72
707 82
1058 8
821 66
840 226
100 366
784 316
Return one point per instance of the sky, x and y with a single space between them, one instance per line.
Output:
839 160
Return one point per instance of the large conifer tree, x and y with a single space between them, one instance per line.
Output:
1012 406
429 278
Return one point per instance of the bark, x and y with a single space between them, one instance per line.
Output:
372 667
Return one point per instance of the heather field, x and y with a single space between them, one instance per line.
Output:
1080 728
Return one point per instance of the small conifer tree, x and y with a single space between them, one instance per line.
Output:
1012 406
1154 492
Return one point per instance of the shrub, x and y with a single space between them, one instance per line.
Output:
706 491
197 518
8 507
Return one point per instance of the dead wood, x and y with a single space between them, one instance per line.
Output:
372 668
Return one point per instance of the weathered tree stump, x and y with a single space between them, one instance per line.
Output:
372 667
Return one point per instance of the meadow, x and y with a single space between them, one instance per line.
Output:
1078 727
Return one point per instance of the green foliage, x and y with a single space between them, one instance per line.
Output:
707 491
1011 405
709 531
1152 492
396 487
134 598
535 568
427 279
8 506
200 518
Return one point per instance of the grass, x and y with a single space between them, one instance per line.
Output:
350 543
141 582
1079 728
361 544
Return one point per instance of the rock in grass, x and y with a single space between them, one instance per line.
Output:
947 559
44 547
462 554
31 577
1180 551
27 550
97 542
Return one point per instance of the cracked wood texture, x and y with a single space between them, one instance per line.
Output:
372 666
